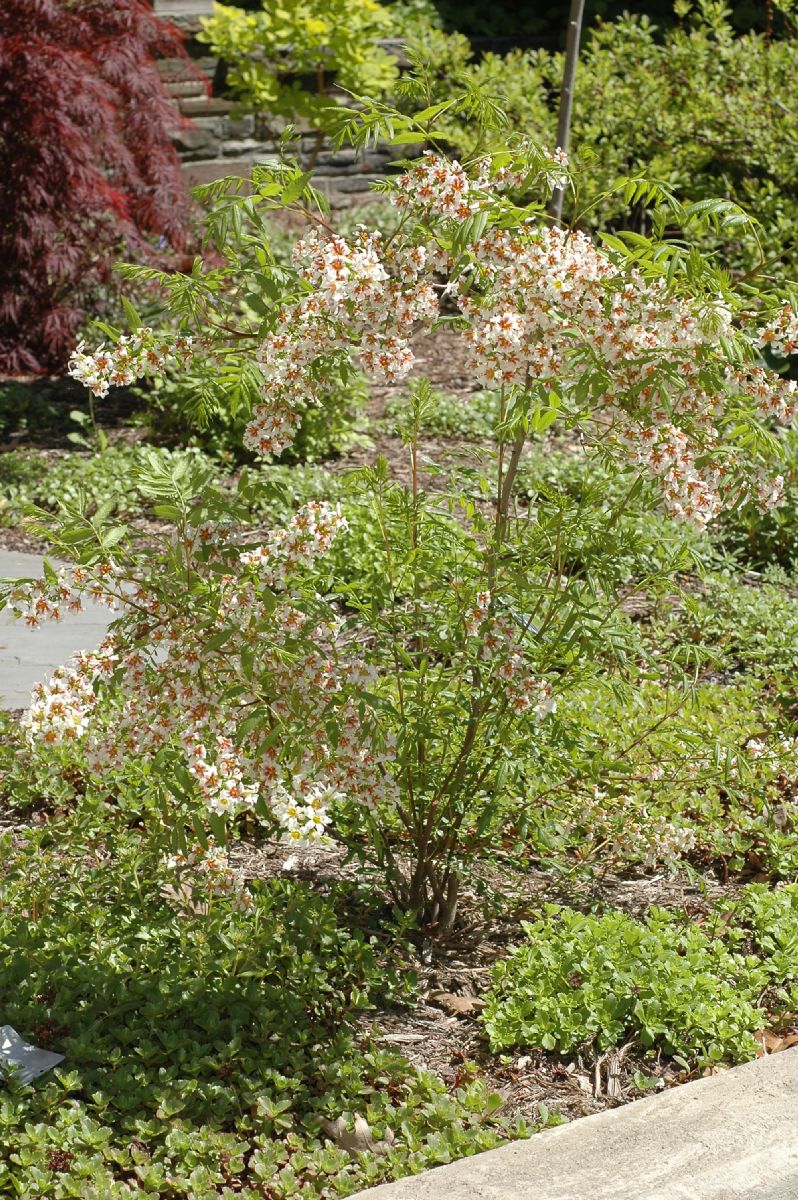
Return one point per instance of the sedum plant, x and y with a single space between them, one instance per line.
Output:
395 709
210 1049
580 980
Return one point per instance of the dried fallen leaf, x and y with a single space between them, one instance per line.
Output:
182 897
781 818
774 1043
361 1140
457 1006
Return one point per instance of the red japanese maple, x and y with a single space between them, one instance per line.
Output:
87 169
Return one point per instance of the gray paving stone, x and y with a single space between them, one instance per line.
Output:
28 655
733 1136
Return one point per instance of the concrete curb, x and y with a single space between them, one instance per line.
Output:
733 1136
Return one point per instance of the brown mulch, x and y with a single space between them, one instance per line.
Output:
442 1034
14 537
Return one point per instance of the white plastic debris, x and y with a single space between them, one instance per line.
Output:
29 1061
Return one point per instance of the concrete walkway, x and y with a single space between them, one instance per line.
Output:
28 655
733 1136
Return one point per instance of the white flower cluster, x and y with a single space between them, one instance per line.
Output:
48 599
221 780
478 612
781 334
272 428
174 693
204 871
783 754
310 533
342 272
534 284
548 306
554 170
768 492
659 841
441 186
438 185
59 710
363 296
776 398
358 767
304 813
634 832
132 357
499 645
665 450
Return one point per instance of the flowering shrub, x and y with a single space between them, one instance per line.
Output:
398 713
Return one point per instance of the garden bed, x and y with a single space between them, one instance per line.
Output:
310 1040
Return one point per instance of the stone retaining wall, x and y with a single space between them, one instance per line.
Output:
218 143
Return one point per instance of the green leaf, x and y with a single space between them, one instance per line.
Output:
218 640
434 110
167 512
408 138
296 187
113 537
133 318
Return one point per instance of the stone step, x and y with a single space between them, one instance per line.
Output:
205 106
182 89
177 70
209 170
183 8
187 15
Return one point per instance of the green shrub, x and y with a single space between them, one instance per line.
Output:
272 494
735 627
759 539
109 475
23 408
766 921
444 415
547 20
283 60
182 409
611 508
707 112
585 980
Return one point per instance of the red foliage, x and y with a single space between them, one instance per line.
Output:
88 171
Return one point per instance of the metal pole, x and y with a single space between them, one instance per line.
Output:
567 93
